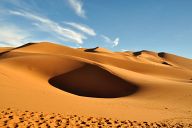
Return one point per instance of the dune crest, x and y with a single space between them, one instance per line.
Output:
97 49
142 86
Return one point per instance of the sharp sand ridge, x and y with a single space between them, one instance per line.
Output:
142 86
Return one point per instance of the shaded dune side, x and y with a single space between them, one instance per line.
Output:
180 61
25 45
91 49
93 81
128 63
137 53
161 54
22 46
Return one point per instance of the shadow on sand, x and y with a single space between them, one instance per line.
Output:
93 81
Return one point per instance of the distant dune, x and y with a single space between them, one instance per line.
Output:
96 82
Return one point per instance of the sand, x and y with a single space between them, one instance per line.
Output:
96 83
15 118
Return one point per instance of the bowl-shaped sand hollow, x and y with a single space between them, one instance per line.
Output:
93 81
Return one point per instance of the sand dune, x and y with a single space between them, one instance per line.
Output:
96 82
97 49
86 81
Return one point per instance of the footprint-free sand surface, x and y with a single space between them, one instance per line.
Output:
48 85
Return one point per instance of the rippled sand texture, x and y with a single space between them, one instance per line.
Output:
137 86
15 118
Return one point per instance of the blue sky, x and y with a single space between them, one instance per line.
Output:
157 25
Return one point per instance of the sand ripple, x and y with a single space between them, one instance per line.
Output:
12 118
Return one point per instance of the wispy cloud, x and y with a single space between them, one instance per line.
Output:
11 35
84 28
77 6
50 26
114 42
124 50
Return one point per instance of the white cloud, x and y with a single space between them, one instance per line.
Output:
116 42
75 47
77 6
84 28
108 40
11 35
124 50
50 26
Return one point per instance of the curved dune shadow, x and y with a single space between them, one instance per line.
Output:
22 46
93 81
91 49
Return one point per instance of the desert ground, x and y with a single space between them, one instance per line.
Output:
50 85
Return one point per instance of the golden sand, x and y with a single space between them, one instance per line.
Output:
27 119
141 86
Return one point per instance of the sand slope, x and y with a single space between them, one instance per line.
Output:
142 86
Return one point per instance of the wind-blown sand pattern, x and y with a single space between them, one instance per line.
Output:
133 87
15 118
